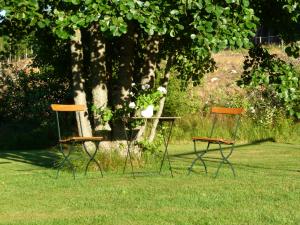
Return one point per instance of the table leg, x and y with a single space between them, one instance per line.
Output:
166 137
128 154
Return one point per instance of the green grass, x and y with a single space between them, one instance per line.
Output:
265 191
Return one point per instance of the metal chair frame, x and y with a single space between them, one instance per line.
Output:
71 141
237 112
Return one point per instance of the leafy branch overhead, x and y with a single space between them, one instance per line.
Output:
210 24
103 46
273 74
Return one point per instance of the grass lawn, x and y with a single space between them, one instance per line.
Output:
265 191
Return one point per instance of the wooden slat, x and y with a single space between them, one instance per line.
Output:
81 139
213 140
67 108
222 110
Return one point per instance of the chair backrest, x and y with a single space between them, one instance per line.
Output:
67 108
233 112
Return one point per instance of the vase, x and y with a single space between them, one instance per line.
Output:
147 112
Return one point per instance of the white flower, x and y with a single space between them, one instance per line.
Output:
133 84
162 90
145 86
214 79
148 112
131 105
131 93
252 109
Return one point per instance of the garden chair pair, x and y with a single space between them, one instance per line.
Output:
70 142
228 118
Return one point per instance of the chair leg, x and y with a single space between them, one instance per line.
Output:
225 160
92 158
199 157
65 160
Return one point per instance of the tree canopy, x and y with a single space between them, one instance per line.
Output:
112 44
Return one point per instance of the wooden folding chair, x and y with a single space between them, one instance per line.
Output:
71 141
235 115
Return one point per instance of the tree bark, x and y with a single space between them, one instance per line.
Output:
162 101
83 123
99 75
148 70
125 76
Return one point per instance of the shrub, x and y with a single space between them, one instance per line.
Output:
180 99
25 104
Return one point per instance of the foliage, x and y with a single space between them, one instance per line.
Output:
272 125
181 99
151 148
264 108
28 95
146 96
105 113
141 97
194 28
283 16
109 161
273 75
191 68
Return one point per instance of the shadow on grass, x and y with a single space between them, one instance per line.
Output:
42 158
188 156
185 154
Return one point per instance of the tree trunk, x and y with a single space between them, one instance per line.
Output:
78 84
99 75
148 70
125 77
162 101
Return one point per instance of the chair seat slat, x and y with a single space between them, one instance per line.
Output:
213 140
80 139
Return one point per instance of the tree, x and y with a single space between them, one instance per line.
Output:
266 71
131 39
284 17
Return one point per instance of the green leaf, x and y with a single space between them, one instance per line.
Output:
76 2
74 19
146 4
209 8
41 24
174 12
129 16
172 33
123 28
193 36
61 33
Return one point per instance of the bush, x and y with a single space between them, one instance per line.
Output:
25 107
180 99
